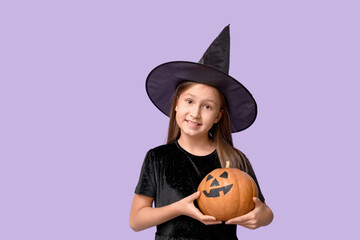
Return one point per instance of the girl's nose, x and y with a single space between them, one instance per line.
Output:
195 113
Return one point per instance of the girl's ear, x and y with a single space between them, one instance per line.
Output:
219 116
176 109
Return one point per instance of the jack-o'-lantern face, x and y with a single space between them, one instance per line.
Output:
227 193
216 187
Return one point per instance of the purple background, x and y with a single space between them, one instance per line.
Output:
76 121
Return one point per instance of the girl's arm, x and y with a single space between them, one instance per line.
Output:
260 216
143 215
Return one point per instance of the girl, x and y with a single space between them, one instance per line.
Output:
206 106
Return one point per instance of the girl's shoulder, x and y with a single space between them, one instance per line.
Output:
162 150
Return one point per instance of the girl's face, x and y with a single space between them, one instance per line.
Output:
197 109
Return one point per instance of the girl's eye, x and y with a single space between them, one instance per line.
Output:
207 106
189 101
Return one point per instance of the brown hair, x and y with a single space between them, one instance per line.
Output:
220 133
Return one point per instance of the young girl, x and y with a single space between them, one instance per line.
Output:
205 105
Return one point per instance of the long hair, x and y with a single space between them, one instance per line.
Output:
220 132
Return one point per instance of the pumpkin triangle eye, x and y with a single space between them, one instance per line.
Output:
215 183
209 177
224 175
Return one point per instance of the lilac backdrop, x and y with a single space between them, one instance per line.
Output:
76 121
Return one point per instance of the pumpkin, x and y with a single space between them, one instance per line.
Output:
227 193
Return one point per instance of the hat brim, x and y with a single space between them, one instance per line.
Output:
162 81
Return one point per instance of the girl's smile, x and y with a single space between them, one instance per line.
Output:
194 124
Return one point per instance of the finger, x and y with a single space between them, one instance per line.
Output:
207 218
250 226
245 223
198 214
257 201
194 196
211 222
203 217
237 220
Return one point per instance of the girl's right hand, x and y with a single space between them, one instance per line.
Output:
186 207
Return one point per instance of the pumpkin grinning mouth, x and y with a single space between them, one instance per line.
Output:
215 192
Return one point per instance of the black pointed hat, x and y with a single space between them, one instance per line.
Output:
212 69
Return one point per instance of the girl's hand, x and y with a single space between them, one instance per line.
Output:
186 207
261 215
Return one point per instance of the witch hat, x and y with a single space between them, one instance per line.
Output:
212 69
218 53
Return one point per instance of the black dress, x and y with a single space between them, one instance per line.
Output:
169 173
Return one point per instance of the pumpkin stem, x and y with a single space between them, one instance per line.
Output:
227 164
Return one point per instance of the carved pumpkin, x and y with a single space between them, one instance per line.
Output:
227 193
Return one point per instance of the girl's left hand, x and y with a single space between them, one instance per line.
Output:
261 215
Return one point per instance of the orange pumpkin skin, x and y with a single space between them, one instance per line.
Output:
227 197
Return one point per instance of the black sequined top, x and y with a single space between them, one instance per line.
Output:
169 173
